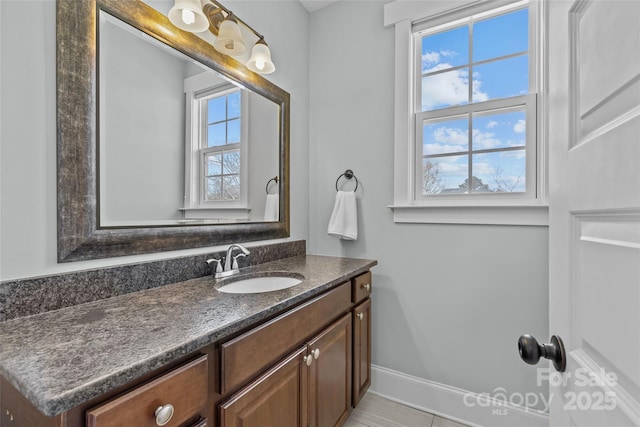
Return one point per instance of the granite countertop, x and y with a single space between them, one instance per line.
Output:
62 358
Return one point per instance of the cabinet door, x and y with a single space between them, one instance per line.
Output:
330 375
361 350
276 399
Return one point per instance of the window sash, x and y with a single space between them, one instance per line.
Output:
430 28
528 103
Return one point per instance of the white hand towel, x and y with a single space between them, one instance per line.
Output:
272 208
344 219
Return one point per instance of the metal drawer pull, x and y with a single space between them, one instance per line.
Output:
164 414
308 360
360 315
316 353
366 286
201 423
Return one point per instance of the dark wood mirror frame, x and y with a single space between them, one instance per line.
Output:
80 236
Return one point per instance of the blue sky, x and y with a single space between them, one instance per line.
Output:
449 68
220 109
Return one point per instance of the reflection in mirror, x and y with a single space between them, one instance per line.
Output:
178 143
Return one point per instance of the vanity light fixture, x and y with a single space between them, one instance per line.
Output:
188 15
260 61
229 39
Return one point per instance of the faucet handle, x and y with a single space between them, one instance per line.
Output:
218 268
235 260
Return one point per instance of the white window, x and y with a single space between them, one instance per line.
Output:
215 156
475 151
220 139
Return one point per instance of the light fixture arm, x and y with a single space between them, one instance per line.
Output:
219 7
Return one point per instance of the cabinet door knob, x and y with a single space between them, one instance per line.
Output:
366 286
360 316
308 360
316 353
164 414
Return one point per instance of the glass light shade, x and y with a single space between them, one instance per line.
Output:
229 39
187 15
260 61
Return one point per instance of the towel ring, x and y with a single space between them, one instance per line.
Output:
347 174
266 188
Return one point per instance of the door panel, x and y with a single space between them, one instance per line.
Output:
594 224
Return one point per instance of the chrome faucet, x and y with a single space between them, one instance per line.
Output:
230 262
230 265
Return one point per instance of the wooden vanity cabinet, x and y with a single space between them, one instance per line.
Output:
361 293
310 387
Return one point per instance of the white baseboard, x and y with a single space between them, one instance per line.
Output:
451 402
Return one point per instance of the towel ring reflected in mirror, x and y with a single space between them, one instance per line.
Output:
266 188
349 175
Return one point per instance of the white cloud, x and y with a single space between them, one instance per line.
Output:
454 136
492 124
447 140
430 58
520 127
449 88
484 140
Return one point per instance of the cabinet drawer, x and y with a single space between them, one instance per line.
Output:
361 287
185 388
252 352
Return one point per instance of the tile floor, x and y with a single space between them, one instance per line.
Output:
375 411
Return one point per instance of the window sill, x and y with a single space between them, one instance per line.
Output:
537 215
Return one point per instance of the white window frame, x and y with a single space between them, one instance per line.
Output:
197 89
529 208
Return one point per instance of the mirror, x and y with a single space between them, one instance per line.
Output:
187 167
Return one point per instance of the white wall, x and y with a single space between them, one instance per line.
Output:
264 160
28 128
450 301
142 116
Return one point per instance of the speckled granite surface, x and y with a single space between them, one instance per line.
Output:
26 297
58 359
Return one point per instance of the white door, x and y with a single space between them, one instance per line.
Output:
594 139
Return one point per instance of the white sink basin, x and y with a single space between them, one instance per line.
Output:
252 285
